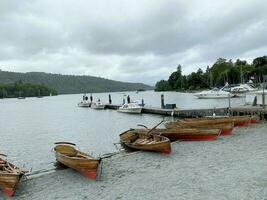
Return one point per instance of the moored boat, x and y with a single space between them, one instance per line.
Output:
84 104
237 120
133 108
98 105
215 93
185 133
68 155
137 140
226 127
10 176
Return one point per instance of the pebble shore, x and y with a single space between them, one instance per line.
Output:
232 167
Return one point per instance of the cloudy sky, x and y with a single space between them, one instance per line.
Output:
128 40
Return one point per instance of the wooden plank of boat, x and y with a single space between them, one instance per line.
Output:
189 134
237 120
226 127
147 142
10 176
68 155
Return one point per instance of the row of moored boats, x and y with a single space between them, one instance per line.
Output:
131 107
143 138
240 90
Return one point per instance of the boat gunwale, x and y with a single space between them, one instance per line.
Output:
87 156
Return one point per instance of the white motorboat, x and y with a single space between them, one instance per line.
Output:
242 89
214 94
132 107
98 105
84 104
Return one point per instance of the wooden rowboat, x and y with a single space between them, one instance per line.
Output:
226 127
10 176
143 141
68 155
185 133
237 120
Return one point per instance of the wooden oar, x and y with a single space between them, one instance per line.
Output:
154 127
142 126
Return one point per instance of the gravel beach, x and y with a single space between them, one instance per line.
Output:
232 167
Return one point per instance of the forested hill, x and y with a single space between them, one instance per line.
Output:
70 84
218 74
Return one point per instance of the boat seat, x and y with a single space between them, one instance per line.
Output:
81 155
66 150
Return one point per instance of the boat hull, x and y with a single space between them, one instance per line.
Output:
84 104
130 110
211 97
237 120
189 134
159 143
88 166
8 182
226 128
98 107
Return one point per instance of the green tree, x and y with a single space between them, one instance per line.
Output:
162 86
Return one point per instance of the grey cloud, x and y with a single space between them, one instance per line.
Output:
128 40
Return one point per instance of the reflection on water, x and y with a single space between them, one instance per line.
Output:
29 127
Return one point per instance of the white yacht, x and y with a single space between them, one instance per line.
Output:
214 94
132 107
98 105
84 103
244 88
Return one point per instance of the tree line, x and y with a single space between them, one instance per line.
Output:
222 71
71 84
19 89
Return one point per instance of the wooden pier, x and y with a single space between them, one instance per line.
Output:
188 113
168 110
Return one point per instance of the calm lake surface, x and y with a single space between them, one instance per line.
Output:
29 127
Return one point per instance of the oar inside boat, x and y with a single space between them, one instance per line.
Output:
141 125
155 127
145 141
10 176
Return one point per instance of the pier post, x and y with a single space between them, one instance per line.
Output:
229 102
162 101
263 94
109 99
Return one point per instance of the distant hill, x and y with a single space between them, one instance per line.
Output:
70 84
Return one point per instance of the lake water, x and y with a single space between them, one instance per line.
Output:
29 127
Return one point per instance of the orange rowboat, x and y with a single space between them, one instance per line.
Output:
226 127
137 140
68 155
10 176
185 133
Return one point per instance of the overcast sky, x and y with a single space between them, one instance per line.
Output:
128 40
